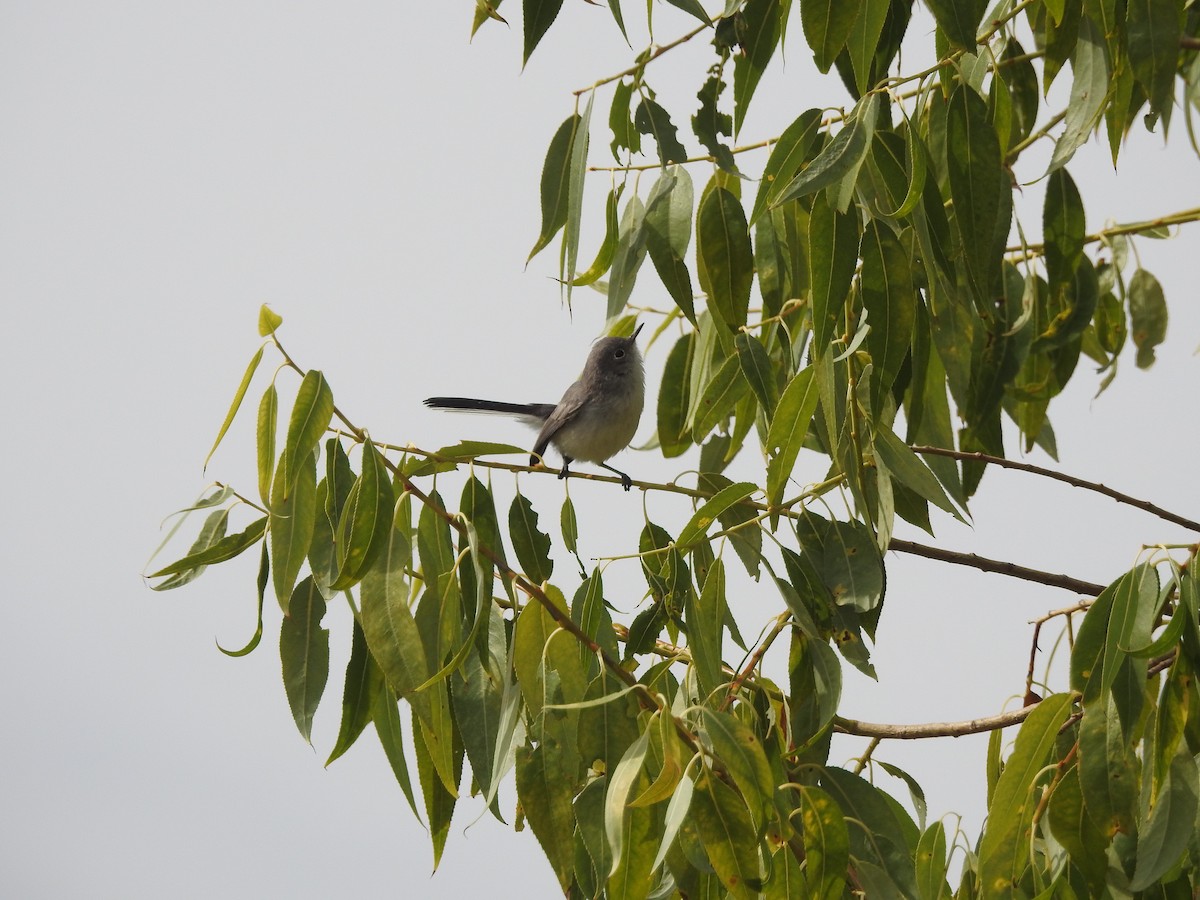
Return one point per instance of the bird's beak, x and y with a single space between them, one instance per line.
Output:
633 337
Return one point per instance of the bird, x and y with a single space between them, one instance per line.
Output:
597 415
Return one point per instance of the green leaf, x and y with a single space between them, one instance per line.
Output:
726 387
833 244
386 717
556 170
839 158
628 257
576 176
827 25
546 802
693 7
620 784
1089 91
959 20
625 135
1147 316
787 431
668 233
759 372
674 437
539 15
1152 37
1170 825
851 566
890 300
264 569
709 124
1004 848
705 616
863 40
531 545
787 155
1063 227
268 321
826 843
759 37
723 244
310 417
973 163
366 520
608 247
1118 621
652 119
236 404
698 525
211 547
725 829
1107 773
293 516
904 465
268 413
360 693
304 650
439 799
1074 829
741 753
931 864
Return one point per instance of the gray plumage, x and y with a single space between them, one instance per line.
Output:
597 415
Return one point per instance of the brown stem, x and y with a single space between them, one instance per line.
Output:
998 566
1000 461
781 622
931 729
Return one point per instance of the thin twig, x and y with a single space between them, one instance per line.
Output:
866 757
1000 567
639 66
1183 217
781 622
1120 497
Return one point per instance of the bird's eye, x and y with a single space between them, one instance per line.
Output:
618 354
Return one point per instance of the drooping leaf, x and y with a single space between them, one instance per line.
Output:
576 178
360 694
668 233
547 807
268 412
310 417
1153 40
1147 316
723 244
759 35
673 434
531 545
890 300
538 16
1089 90
556 170
212 547
863 40
293 516
608 246
650 118
973 164
1170 826
725 829
1004 848
710 125
366 519
839 158
304 650
759 372
826 843
628 257
827 25
786 157
705 615
959 20
833 244
788 428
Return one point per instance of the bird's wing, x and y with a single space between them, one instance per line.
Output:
568 407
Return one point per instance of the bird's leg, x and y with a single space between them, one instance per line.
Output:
626 481
563 473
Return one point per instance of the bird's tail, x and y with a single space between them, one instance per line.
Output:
533 413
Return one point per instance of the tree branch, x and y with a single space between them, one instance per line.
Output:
640 66
1182 217
931 729
998 566
1143 505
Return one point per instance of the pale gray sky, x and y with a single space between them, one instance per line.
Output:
167 167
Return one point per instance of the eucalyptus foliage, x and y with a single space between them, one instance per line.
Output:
866 295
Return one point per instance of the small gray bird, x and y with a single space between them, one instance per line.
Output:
596 417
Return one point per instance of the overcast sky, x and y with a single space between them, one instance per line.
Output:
167 167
